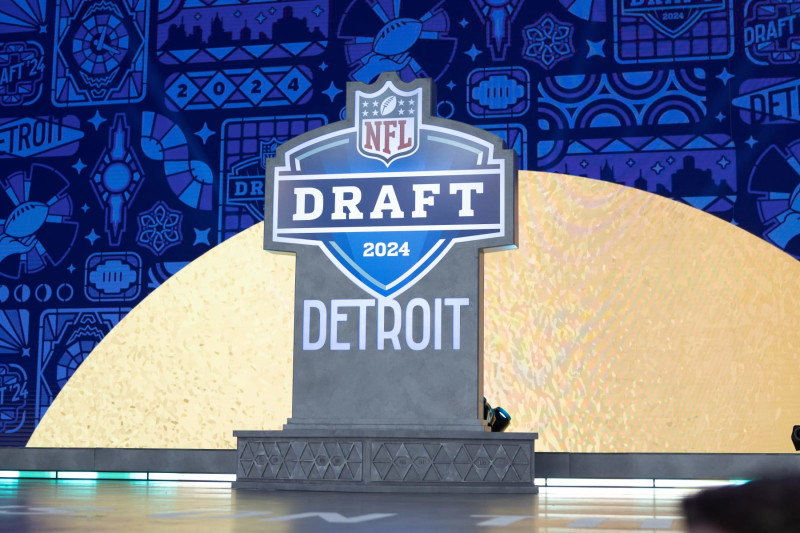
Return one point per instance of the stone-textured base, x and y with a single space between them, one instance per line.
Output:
385 461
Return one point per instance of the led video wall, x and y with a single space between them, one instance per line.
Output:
133 133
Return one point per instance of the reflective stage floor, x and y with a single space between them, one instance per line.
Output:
132 506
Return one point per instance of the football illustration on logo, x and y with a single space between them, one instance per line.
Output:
388 105
25 219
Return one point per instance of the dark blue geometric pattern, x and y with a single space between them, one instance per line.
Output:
411 38
242 87
23 16
548 41
66 338
16 389
23 63
113 276
38 230
498 92
648 31
770 37
159 228
100 52
133 133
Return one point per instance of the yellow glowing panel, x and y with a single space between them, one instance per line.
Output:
625 322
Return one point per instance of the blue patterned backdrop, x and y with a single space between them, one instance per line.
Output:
133 132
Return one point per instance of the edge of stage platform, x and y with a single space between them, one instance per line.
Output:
561 465
362 460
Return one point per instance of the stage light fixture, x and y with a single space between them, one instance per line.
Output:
497 418
501 419
796 438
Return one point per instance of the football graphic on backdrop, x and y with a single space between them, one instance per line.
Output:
397 36
25 219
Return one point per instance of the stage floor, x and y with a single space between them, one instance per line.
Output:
132 506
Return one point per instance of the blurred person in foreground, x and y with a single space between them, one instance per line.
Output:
762 506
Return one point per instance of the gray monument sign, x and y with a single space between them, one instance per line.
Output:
388 214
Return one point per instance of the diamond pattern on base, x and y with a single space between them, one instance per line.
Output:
300 460
411 462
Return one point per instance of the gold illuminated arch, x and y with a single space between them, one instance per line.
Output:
625 322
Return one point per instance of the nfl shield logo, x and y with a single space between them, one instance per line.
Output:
387 123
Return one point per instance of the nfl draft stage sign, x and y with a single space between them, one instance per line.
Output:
387 198
388 213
